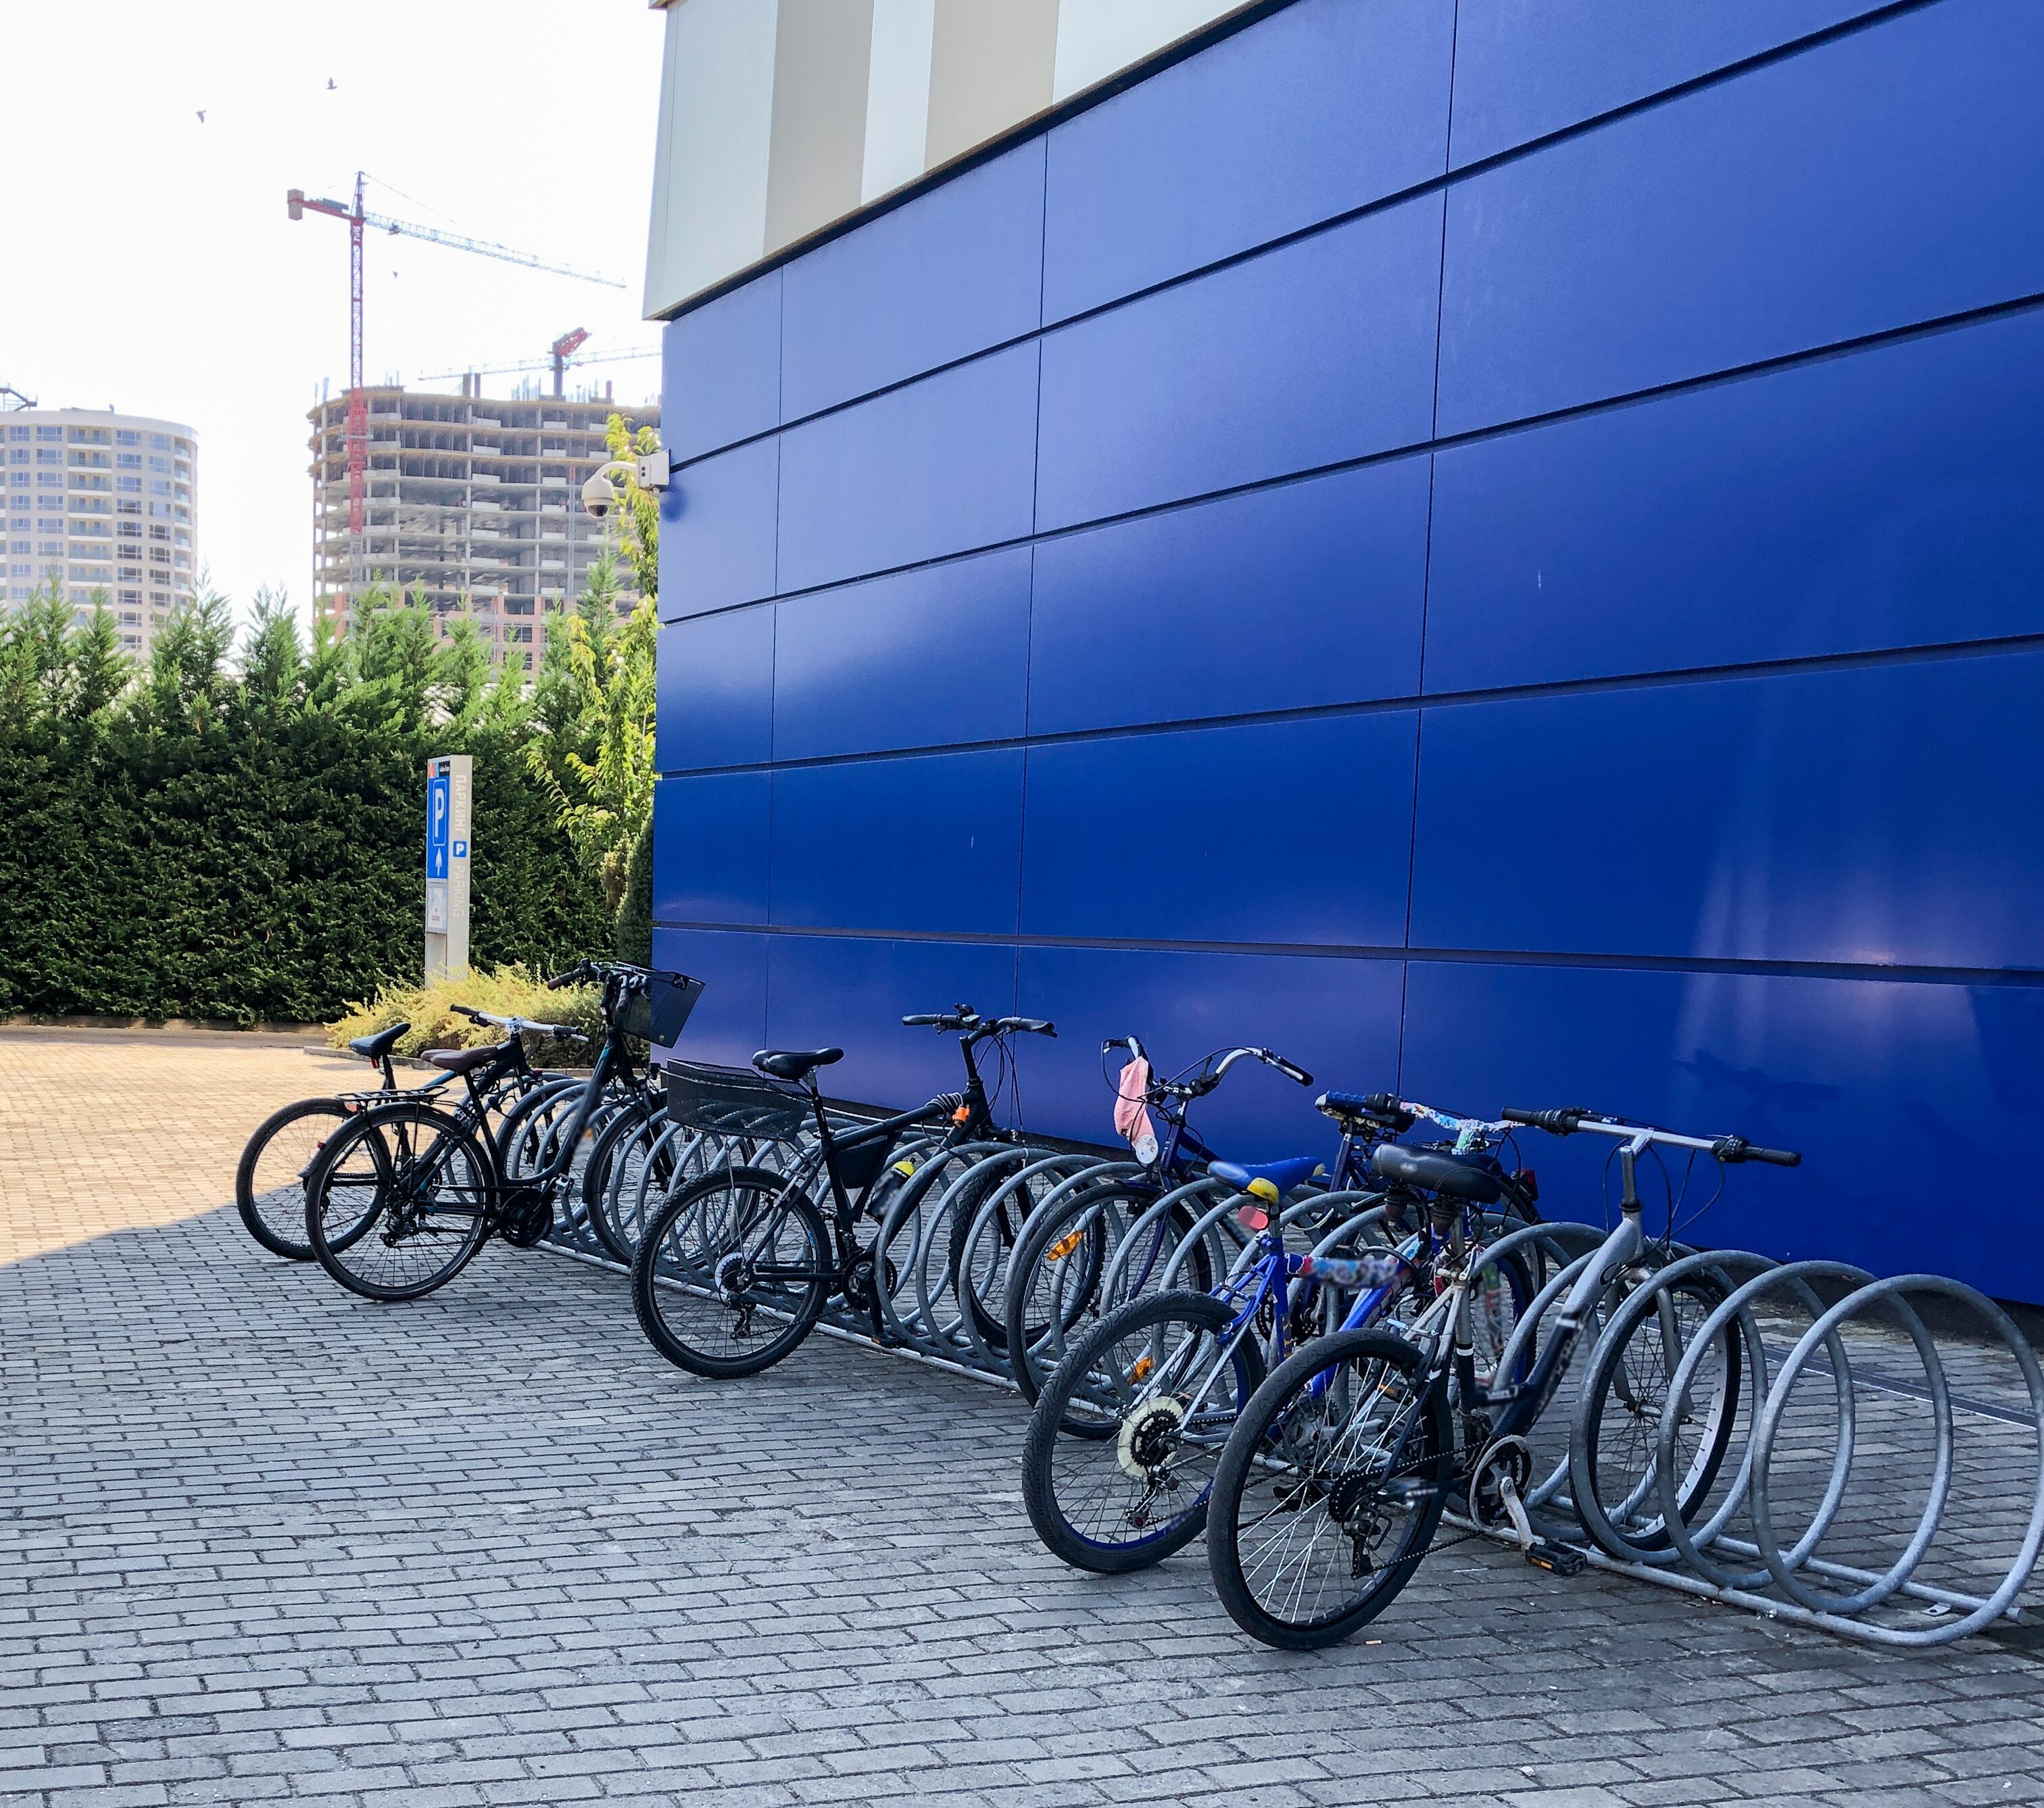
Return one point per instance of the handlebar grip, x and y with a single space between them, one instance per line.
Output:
1290 1069
1030 1026
567 978
922 1020
1737 1148
1562 1122
469 1011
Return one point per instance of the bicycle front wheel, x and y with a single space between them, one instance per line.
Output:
1120 1454
731 1274
1329 1490
399 1202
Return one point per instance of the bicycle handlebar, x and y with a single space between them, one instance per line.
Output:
1028 1026
1566 1120
522 1026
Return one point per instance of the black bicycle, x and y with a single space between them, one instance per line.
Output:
738 1265
401 1199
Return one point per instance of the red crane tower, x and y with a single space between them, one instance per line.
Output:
299 204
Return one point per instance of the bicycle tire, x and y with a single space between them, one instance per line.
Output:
695 1275
1639 1330
1053 1445
593 1183
1075 1299
370 1138
286 1237
1423 1446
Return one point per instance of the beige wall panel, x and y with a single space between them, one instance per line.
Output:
992 63
820 60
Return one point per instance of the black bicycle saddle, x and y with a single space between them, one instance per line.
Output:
783 1064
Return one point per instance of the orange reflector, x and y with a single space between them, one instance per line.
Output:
1145 1367
962 1114
1064 1245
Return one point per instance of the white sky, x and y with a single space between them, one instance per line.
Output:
146 261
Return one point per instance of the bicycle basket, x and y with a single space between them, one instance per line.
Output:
729 1101
657 1011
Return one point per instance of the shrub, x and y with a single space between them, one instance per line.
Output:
512 990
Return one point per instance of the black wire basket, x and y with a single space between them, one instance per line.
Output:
731 1101
657 1011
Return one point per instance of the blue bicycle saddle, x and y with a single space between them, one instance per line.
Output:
1283 1175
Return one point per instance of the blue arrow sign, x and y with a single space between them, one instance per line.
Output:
439 811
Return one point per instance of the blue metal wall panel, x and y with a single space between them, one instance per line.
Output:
1886 178
1197 164
927 657
1316 352
716 690
1805 817
943 465
1786 902
729 1022
1522 70
926 844
717 531
1886 498
1338 1018
1306 594
947 275
721 370
852 993
1222 834
1892 1092
709 848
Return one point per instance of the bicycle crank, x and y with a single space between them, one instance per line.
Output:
1148 1436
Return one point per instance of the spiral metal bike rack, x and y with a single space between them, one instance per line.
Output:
1819 1445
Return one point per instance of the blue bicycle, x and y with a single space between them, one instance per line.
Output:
1118 1463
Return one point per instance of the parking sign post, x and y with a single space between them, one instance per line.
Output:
450 785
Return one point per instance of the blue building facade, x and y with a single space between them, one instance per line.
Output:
1493 547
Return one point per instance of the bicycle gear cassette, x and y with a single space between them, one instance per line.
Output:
1149 1434
528 1215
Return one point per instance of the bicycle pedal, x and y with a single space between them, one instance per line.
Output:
1557 1559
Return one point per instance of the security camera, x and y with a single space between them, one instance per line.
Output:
598 495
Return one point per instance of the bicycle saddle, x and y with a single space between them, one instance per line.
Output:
1434 1171
783 1063
375 1047
462 1061
1283 1175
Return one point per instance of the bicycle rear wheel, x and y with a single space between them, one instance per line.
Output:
399 1202
1329 1490
732 1274
1119 1458
270 1181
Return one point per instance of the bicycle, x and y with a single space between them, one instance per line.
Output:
1118 1463
433 1190
736 1269
1057 1281
1333 1482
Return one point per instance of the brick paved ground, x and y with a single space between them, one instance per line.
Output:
259 1540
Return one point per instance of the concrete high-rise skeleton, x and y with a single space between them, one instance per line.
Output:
468 498
104 505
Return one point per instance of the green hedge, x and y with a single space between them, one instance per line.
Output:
206 847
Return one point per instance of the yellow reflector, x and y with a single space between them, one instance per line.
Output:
1064 1245
1263 1189
904 1168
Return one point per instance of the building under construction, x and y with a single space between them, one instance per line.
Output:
468 499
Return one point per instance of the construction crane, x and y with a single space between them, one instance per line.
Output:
359 221
561 354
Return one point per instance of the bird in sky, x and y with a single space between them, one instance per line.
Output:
202 116
330 84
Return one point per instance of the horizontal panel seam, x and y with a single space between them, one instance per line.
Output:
1837 349
1697 965
1924 654
1447 179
